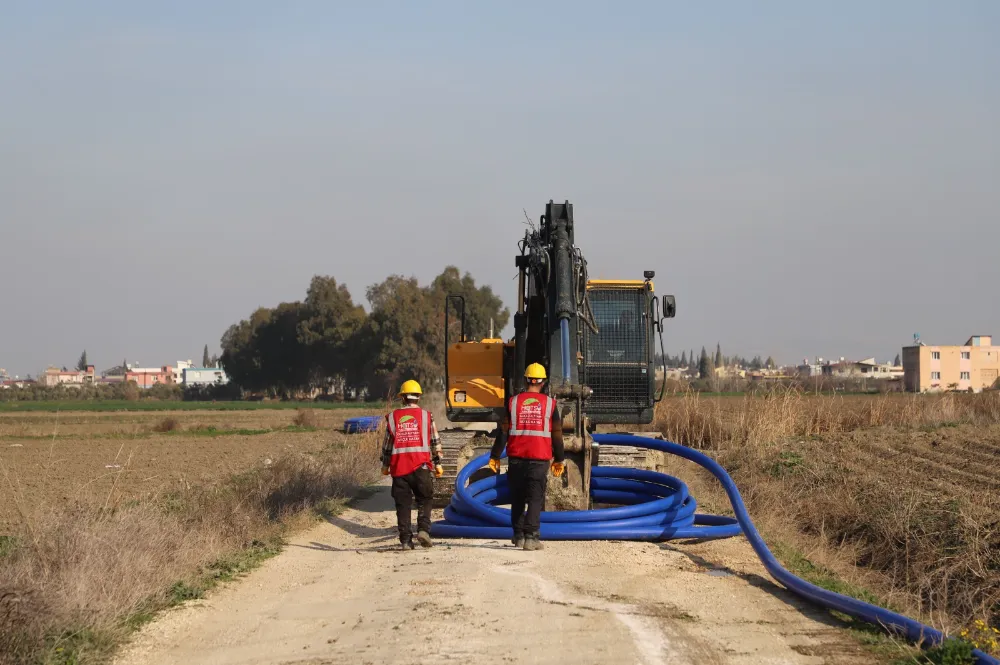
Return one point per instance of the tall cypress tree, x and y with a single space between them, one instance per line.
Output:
705 365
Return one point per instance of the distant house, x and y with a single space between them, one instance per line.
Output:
730 373
203 376
860 369
8 383
54 376
808 369
178 370
974 366
147 377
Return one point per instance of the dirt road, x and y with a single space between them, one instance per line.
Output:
340 594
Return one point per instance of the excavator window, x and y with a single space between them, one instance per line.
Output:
617 356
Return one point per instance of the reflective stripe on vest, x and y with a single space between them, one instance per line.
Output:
530 435
411 443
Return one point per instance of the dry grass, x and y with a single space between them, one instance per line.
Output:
75 582
872 487
710 422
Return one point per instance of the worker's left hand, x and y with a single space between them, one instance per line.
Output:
438 471
494 465
558 468
385 471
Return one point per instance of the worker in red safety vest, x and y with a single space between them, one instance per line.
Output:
410 453
532 434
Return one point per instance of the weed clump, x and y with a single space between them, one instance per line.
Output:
306 419
169 424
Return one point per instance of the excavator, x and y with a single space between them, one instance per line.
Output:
595 338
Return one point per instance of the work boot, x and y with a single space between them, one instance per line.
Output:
406 545
532 543
424 539
518 540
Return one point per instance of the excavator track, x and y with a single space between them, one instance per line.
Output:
627 456
458 448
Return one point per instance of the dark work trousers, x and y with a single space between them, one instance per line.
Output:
527 479
417 484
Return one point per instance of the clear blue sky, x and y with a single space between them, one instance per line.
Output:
807 178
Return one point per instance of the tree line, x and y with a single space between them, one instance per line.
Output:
328 343
705 363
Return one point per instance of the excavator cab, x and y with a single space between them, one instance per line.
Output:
619 358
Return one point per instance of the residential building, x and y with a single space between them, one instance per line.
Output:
147 377
869 369
204 376
807 369
178 370
975 366
857 369
53 376
9 383
730 373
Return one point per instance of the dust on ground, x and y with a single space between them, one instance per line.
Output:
341 593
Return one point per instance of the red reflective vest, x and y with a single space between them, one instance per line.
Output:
530 434
410 427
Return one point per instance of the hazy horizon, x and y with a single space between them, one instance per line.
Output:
807 180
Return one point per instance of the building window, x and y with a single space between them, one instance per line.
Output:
966 355
935 376
965 376
935 355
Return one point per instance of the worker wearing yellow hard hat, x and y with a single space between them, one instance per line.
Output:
410 452
532 434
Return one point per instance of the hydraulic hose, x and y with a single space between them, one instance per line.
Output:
654 507
564 333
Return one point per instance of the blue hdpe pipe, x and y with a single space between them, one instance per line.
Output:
564 333
653 506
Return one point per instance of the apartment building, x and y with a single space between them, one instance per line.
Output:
975 366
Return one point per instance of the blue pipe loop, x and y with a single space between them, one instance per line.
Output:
362 424
654 507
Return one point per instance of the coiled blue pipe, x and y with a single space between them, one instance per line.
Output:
656 507
564 333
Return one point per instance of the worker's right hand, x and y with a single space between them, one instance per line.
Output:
558 468
385 471
495 465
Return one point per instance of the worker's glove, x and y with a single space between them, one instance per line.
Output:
558 468
438 471
385 471
495 465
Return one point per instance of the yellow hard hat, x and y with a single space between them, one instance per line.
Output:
410 387
534 371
